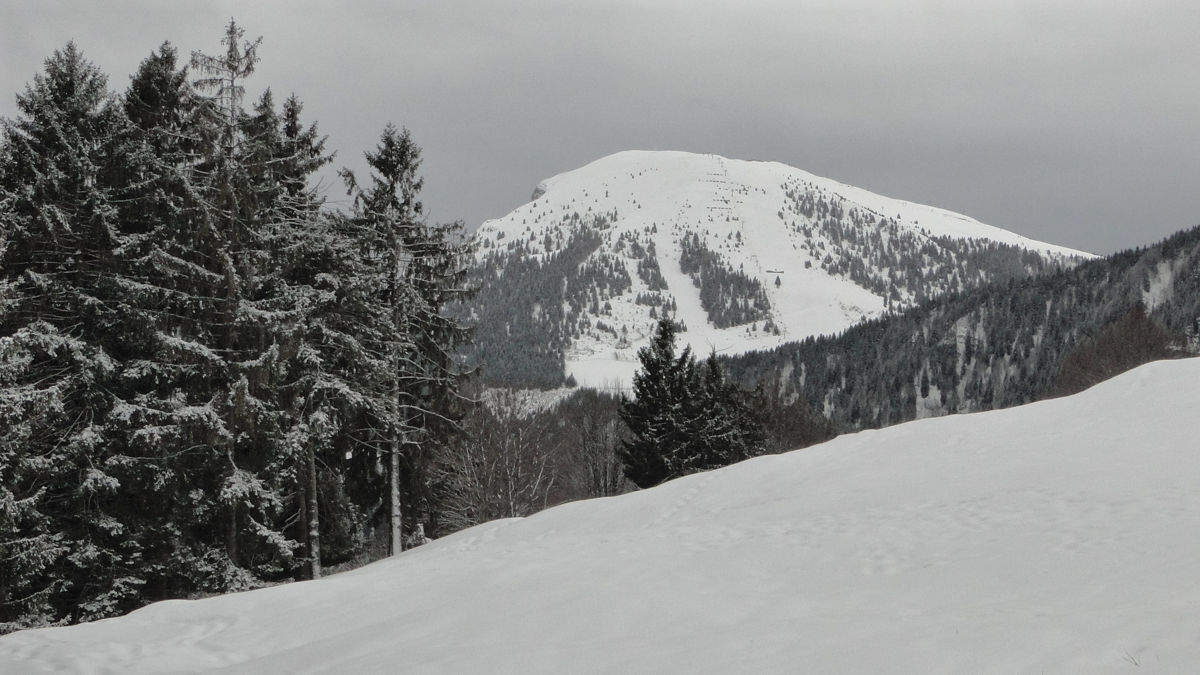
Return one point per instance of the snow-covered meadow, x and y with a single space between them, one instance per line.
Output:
1061 536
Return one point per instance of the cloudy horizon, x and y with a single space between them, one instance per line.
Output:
1065 121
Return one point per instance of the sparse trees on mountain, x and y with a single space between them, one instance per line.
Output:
537 305
729 297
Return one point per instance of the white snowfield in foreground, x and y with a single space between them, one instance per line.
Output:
1062 536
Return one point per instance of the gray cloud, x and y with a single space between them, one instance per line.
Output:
1072 122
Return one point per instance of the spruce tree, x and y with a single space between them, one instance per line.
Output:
173 245
236 257
729 422
684 418
655 415
198 215
254 320
65 328
31 546
327 384
421 268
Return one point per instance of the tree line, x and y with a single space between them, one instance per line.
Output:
208 379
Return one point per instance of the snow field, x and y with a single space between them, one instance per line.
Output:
1057 537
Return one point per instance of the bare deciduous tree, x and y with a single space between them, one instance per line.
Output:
502 467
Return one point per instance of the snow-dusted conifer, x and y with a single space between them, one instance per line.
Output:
684 418
173 241
655 415
422 268
257 317
729 426
63 329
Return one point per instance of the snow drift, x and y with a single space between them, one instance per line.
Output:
1059 536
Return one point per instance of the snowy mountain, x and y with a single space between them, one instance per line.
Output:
748 255
1053 537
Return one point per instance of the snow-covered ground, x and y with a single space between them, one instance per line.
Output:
739 209
1061 536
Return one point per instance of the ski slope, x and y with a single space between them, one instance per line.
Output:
740 210
1056 537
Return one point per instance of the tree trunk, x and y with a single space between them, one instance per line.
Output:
302 498
314 518
231 544
397 542
397 432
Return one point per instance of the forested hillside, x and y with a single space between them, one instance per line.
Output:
529 306
998 345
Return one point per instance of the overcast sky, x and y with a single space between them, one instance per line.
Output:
1073 122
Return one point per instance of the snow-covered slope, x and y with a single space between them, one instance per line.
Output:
1056 537
800 255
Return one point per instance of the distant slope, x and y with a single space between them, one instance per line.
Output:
990 347
1054 537
748 255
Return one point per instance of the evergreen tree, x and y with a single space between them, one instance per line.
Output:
171 427
31 546
202 216
728 422
421 268
684 418
256 223
329 382
64 331
654 415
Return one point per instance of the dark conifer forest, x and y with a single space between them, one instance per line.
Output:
208 381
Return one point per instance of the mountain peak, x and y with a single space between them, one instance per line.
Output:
645 171
746 254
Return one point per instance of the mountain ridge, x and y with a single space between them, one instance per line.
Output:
745 254
971 227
